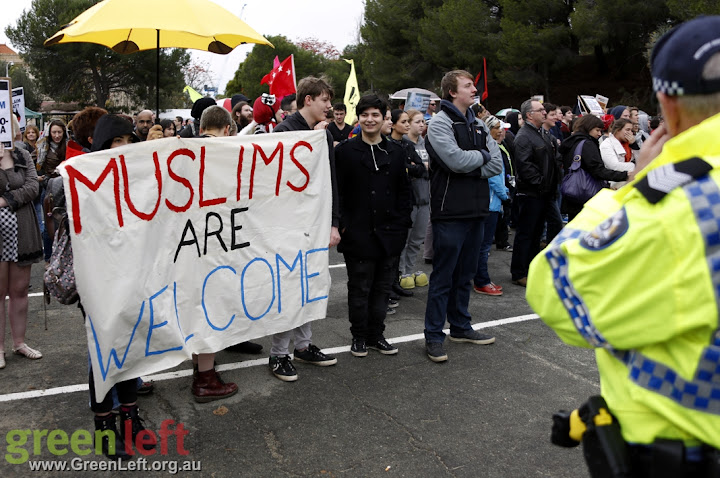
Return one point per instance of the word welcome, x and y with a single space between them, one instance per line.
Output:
186 246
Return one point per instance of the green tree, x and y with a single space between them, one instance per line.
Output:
617 31
460 33
536 40
89 73
392 34
19 77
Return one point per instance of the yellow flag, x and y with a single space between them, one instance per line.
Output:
194 95
352 94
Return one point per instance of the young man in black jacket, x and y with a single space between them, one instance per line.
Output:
462 157
375 205
314 96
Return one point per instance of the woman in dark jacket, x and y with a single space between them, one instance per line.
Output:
587 128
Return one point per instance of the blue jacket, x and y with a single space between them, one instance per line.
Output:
498 191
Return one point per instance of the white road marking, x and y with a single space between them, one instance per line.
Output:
9 397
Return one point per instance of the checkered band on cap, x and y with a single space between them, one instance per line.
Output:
672 88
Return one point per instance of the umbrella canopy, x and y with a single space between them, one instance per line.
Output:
403 94
128 26
504 112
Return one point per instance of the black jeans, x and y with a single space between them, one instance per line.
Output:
369 282
529 223
126 390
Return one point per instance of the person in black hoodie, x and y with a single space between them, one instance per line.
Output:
375 205
588 128
314 96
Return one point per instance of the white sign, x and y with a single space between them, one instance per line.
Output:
18 100
591 105
417 101
6 135
188 246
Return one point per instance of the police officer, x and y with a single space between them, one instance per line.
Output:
636 275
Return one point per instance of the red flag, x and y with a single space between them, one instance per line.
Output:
483 74
281 79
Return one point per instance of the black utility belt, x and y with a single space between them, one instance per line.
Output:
608 455
671 458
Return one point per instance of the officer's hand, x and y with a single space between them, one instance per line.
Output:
334 237
156 132
650 150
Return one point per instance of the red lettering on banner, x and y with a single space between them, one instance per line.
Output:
74 175
180 179
203 201
239 172
302 169
158 178
267 161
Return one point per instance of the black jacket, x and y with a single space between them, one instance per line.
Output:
415 170
537 164
296 122
591 160
375 198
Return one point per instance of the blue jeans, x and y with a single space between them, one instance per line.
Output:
482 277
456 247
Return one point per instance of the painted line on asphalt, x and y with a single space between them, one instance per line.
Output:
9 397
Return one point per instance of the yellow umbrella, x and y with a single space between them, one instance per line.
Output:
127 26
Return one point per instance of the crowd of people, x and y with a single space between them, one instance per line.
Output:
409 188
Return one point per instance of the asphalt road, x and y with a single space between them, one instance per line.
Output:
483 413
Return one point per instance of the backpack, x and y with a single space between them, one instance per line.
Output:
59 277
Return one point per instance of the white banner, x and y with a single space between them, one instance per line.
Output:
188 246
18 100
6 136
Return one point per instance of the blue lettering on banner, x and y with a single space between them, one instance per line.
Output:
298 258
153 326
203 298
113 354
242 288
309 276
299 264
177 315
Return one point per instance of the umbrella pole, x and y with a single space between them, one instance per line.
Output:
157 77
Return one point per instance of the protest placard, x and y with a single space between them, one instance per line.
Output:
188 246
417 101
18 100
6 135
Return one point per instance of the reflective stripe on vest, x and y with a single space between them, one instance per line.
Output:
570 297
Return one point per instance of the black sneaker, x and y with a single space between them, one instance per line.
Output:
314 356
283 368
473 337
435 351
393 303
394 296
390 311
358 348
382 346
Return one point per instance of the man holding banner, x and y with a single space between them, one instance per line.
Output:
314 96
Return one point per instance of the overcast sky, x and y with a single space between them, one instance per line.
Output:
333 21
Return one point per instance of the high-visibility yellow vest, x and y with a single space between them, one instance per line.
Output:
636 275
